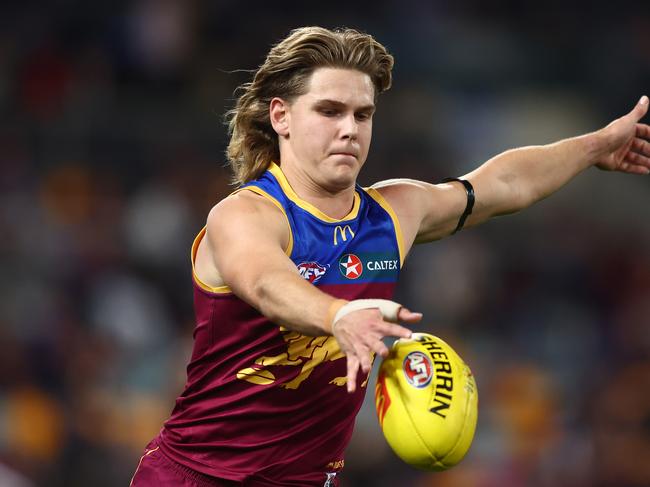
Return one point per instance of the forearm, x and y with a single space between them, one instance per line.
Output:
518 178
288 300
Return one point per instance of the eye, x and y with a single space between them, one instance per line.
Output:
329 112
362 116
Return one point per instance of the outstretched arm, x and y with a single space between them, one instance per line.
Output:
517 178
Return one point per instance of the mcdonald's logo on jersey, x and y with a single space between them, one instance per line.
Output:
342 232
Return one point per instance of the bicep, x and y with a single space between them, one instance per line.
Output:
496 191
430 212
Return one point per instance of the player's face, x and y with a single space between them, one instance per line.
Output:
330 126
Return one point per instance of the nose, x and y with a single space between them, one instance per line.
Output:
349 127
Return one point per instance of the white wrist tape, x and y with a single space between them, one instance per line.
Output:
388 309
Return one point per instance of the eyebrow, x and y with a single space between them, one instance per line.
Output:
339 104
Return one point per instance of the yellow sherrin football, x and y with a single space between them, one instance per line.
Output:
427 402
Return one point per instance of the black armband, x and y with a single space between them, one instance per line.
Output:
470 201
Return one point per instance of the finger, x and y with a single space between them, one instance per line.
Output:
641 108
379 348
638 170
630 168
641 146
408 316
636 159
353 368
393 330
363 355
643 130
365 358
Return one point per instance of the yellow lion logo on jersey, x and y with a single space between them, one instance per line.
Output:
303 351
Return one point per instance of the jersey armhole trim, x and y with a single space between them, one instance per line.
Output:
199 282
376 195
199 237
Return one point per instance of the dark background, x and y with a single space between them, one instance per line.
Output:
111 154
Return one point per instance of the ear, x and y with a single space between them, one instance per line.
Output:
279 114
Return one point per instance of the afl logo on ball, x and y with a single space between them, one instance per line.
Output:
418 369
350 266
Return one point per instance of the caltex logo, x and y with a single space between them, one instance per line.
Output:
350 266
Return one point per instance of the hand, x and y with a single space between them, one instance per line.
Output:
359 334
626 143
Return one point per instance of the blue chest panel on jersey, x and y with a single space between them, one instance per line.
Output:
362 247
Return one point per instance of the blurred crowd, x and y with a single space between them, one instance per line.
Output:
111 155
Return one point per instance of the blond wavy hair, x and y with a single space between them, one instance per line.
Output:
285 74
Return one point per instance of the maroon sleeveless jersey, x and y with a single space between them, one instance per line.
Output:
264 405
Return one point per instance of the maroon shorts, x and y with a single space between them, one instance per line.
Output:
157 470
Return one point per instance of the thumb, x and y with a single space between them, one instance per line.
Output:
408 316
641 108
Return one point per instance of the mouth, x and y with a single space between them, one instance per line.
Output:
342 153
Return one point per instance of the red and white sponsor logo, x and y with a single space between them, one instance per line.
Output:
311 271
350 266
418 369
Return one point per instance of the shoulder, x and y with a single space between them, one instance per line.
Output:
405 198
246 213
396 190
425 211
409 198
244 204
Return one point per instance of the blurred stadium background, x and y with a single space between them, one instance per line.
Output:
111 149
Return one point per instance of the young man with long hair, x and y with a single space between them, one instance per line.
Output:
294 272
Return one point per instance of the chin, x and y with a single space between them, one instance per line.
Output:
345 175
340 171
